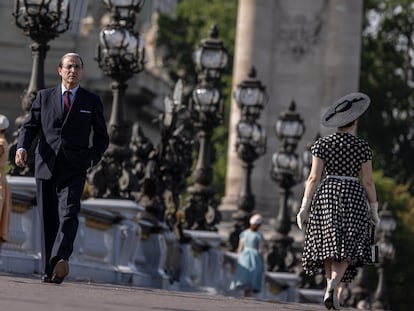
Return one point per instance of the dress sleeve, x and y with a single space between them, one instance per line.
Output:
317 149
367 154
242 234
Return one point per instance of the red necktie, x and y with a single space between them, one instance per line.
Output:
67 103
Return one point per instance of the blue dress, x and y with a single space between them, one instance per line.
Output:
250 268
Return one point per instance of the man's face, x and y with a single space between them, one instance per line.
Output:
71 71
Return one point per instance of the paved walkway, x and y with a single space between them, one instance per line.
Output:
19 293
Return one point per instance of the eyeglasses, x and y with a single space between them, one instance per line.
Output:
343 106
69 67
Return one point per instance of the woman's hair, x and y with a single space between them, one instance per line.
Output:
347 125
254 227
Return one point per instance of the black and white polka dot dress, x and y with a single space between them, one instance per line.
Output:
339 220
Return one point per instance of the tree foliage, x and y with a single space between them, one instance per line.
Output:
387 76
398 276
180 36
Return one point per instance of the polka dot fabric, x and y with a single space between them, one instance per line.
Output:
339 221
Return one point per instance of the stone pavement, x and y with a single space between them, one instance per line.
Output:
22 293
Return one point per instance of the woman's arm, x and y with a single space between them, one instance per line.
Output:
312 183
314 178
240 248
368 181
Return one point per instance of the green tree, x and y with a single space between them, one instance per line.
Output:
387 76
180 36
398 272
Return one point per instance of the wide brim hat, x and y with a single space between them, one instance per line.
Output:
346 109
256 219
4 122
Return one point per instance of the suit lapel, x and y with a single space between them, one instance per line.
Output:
57 98
75 103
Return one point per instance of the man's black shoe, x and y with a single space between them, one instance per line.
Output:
60 271
46 278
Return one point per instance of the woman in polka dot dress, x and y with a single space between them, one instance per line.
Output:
337 238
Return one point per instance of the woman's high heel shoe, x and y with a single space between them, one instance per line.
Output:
328 299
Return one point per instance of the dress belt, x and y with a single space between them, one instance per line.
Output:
249 248
343 177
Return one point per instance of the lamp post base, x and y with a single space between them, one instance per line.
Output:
281 257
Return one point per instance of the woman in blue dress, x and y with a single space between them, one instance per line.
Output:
338 207
250 267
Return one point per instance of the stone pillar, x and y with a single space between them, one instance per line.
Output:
306 51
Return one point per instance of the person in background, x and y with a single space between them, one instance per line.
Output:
5 193
69 125
338 209
250 264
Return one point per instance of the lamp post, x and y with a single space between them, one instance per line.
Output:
42 21
120 54
163 169
206 107
286 171
386 254
251 98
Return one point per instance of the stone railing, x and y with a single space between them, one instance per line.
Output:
110 246
114 245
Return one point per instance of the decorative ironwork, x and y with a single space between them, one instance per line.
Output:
251 98
42 21
162 170
386 255
201 211
120 55
287 172
124 12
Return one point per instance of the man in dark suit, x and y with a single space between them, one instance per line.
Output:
70 127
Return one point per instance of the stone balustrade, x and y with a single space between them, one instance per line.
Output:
114 245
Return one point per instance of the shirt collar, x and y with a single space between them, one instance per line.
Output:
73 91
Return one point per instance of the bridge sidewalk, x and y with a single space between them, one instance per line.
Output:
22 293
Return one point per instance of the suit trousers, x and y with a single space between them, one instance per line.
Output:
58 201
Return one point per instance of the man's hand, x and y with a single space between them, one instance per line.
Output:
21 157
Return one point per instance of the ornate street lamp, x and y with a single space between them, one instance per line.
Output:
386 254
42 21
286 171
211 58
123 11
120 55
251 98
207 109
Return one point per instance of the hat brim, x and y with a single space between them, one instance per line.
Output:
4 122
346 109
256 220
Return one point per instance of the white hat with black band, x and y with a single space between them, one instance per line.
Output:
346 109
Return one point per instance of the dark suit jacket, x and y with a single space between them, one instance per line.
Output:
83 136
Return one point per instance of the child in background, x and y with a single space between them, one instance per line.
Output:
250 264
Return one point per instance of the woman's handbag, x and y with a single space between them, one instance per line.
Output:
374 247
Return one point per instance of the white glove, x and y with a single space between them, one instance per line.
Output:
375 220
303 213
